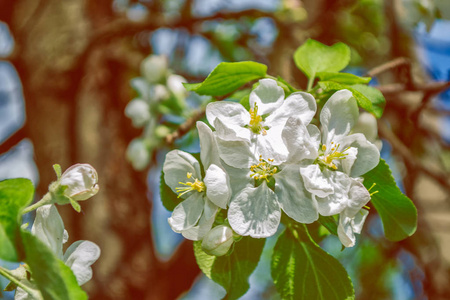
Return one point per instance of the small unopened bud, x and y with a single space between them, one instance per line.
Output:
218 240
81 181
154 68
175 85
138 154
138 111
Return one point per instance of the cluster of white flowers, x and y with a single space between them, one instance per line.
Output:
156 86
269 159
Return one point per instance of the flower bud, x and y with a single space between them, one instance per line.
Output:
367 125
154 68
159 92
138 154
218 240
138 111
175 85
81 181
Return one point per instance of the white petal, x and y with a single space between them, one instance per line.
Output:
349 160
298 141
81 181
315 181
255 212
359 219
217 186
187 213
205 223
176 166
228 112
209 153
237 154
49 228
301 105
293 198
367 125
338 116
315 135
79 257
231 132
138 111
268 96
239 178
358 197
368 154
271 146
345 232
337 201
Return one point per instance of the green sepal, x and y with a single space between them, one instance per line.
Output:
75 205
329 223
57 169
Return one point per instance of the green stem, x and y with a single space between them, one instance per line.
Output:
310 83
47 199
8 275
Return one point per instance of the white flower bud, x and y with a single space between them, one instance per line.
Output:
218 240
138 154
367 125
175 85
138 111
81 181
159 92
154 68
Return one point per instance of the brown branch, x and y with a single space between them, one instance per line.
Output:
185 127
397 62
13 140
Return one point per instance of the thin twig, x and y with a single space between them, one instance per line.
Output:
401 61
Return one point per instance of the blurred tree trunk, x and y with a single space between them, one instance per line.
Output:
75 97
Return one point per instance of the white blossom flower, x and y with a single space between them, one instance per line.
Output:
218 240
195 215
49 228
154 68
81 181
340 156
266 188
261 126
138 111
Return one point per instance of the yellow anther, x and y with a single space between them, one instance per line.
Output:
197 185
327 159
324 148
256 121
366 207
263 170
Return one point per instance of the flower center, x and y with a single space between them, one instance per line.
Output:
256 121
263 170
334 153
197 185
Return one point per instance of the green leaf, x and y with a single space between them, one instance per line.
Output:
227 77
15 194
301 270
397 212
54 279
313 57
374 95
231 271
329 223
362 100
345 78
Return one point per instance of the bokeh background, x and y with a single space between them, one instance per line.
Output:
65 68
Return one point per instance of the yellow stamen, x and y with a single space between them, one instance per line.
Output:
263 170
197 185
334 154
256 121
